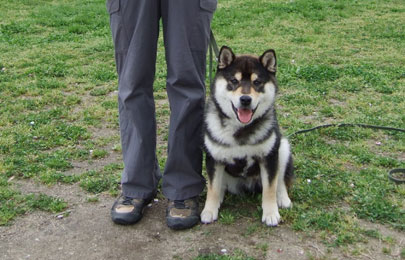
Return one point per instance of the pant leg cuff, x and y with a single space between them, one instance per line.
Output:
187 194
138 194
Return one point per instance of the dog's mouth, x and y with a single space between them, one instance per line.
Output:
244 115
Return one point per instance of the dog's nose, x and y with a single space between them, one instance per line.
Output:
245 100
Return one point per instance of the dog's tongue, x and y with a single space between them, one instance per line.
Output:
245 115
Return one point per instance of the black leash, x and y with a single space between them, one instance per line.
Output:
347 125
392 173
213 48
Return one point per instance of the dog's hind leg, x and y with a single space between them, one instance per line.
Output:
284 174
215 195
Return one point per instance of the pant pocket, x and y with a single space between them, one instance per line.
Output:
113 6
118 31
201 25
209 5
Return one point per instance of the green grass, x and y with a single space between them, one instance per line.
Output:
339 61
237 255
13 203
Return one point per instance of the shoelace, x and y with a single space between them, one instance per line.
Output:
179 204
127 201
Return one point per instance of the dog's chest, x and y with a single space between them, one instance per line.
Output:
243 168
239 156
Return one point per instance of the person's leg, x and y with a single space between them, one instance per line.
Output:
186 27
135 29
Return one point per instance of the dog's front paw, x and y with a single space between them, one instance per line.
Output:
284 202
209 216
271 218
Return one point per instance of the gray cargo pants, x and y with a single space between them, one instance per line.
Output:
135 29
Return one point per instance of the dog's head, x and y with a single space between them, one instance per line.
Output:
245 86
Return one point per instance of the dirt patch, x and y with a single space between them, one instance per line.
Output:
88 233
395 241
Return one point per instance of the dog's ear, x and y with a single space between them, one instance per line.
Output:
226 57
269 61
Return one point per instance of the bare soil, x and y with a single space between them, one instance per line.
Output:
88 233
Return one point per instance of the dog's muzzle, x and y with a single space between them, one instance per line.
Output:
244 113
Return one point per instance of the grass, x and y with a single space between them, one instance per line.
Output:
339 61
13 203
237 255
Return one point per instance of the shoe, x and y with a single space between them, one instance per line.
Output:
182 214
127 211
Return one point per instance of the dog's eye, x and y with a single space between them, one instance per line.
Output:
234 81
257 82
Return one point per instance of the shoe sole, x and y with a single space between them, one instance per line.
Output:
180 224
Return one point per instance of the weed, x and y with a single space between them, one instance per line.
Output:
14 203
386 250
106 179
263 247
237 255
226 217
251 229
98 153
372 233
92 199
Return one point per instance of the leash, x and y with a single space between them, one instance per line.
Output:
213 47
347 125
391 173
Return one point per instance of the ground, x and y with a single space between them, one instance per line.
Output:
85 231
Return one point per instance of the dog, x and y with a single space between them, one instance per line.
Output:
245 150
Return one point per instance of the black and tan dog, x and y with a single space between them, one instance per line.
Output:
244 146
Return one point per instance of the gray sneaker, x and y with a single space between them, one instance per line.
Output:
182 214
127 211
